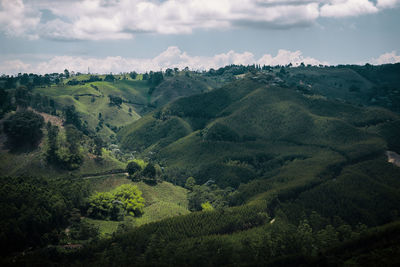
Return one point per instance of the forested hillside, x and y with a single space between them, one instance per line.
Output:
244 165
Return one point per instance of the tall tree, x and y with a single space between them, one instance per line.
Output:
66 73
98 146
52 133
72 117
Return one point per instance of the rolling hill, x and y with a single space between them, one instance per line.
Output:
287 166
250 124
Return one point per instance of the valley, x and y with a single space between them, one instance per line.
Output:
245 165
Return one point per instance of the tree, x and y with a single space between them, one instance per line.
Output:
66 73
34 210
24 128
206 206
199 195
305 238
169 72
84 231
100 205
98 146
109 78
149 171
52 133
124 200
190 183
71 116
115 100
133 75
5 102
131 198
73 138
22 96
69 155
133 168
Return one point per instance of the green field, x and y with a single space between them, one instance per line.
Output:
162 201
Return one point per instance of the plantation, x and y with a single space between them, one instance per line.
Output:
244 165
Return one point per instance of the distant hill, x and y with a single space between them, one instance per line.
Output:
179 86
228 133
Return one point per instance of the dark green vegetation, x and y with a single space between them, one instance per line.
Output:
35 211
282 166
23 128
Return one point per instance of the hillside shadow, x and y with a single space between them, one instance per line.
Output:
21 147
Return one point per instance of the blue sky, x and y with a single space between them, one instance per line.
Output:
119 35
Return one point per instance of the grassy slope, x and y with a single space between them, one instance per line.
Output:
134 91
34 163
89 101
180 86
162 201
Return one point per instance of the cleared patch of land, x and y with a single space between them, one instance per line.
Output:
162 201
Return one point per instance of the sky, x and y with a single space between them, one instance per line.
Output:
46 36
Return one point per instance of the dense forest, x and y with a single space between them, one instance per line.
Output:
242 165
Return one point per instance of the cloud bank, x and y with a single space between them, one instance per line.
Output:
123 19
387 58
172 57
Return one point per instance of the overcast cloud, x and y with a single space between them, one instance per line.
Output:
124 19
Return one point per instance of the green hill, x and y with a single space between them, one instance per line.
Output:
91 99
256 129
179 86
281 166
92 102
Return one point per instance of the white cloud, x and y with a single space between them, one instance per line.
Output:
386 58
122 19
18 20
14 66
170 58
346 8
387 3
285 57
